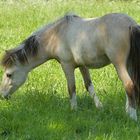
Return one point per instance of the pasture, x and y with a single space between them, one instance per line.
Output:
40 109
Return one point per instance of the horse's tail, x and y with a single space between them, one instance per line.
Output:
133 62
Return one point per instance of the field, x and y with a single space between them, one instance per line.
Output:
40 109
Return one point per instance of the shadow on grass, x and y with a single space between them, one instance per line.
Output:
37 115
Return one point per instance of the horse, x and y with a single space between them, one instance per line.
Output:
83 43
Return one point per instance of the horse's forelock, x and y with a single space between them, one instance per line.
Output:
8 59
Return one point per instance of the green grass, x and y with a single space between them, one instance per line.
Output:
40 109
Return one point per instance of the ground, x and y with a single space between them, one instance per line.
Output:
40 109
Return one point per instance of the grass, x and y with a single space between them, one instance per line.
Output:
40 109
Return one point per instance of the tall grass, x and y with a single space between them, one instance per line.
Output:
40 110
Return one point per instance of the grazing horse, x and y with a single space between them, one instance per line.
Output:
85 43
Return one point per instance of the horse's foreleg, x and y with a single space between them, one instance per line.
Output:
89 86
69 73
129 87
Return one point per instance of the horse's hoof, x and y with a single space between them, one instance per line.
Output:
132 113
74 108
73 103
98 103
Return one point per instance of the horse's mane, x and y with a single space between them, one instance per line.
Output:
68 18
30 46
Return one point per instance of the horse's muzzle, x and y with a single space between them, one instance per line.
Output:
2 96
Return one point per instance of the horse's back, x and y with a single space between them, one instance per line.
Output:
96 42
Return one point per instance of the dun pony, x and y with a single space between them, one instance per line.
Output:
82 43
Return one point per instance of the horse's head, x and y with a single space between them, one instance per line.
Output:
13 78
16 65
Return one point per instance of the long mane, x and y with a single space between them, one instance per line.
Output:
29 48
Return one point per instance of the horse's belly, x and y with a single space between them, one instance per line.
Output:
97 62
92 61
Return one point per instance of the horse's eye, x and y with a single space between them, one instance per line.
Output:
9 75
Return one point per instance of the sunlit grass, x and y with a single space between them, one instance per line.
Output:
40 110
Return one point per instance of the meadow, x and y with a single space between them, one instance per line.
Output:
40 109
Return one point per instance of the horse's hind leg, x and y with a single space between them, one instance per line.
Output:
89 86
129 87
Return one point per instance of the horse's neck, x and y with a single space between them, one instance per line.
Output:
38 60
34 64
49 41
